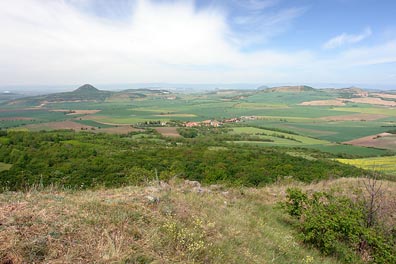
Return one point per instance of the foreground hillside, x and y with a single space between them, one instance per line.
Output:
172 223
176 222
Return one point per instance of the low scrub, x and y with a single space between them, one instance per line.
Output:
341 227
86 160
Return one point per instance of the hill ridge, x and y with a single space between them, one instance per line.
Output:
86 88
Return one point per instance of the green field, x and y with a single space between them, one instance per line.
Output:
318 127
276 138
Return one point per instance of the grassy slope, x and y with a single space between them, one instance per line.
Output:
214 225
123 226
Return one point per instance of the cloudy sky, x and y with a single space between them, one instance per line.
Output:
58 42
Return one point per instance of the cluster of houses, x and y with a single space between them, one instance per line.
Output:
215 123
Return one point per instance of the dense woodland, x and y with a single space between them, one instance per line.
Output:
83 160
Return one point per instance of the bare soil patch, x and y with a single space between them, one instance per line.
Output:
382 140
371 100
59 125
125 129
335 102
168 131
354 117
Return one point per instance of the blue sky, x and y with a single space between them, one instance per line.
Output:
58 42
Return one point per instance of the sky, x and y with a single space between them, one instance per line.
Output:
64 42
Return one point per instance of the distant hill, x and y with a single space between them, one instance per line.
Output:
287 89
89 93
7 96
86 89
348 92
262 87
85 93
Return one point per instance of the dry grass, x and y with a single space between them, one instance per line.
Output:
179 222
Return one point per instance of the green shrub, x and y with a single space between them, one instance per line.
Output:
296 200
336 226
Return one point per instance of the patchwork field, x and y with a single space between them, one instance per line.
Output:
275 138
323 119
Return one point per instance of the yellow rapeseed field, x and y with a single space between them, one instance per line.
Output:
381 164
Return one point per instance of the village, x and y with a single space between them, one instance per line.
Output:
215 123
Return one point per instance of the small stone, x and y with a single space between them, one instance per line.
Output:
152 199
192 183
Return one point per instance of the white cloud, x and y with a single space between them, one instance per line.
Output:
379 54
344 39
57 43
168 42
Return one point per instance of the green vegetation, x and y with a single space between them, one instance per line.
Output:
82 160
341 227
135 196
4 166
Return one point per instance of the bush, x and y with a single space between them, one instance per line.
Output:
336 226
296 200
